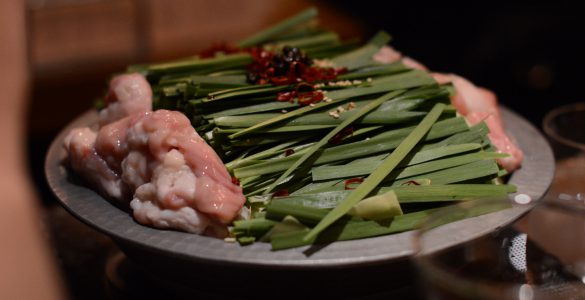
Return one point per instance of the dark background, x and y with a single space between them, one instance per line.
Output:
531 55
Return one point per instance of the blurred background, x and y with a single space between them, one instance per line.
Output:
529 55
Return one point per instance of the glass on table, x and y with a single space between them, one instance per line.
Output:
565 129
540 256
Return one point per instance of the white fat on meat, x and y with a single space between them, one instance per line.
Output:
477 105
163 202
157 160
128 94
83 158
387 55
172 181
136 169
177 180
185 219
185 173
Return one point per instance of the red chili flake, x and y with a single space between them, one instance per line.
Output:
411 182
307 94
280 193
263 81
347 131
219 47
281 80
304 98
310 98
259 54
289 152
286 96
288 67
351 181
313 74
235 180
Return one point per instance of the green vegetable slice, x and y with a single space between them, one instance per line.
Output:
356 115
380 173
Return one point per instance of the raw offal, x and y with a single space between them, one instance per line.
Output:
156 163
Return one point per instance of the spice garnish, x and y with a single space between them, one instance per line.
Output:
351 181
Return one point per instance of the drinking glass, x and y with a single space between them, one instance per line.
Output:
539 257
565 129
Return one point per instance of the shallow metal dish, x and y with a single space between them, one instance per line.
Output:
533 179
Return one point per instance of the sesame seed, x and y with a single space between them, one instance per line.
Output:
323 63
334 114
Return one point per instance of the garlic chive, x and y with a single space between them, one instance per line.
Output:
374 179
353 117
379 207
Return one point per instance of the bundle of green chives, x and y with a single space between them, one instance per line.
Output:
383 138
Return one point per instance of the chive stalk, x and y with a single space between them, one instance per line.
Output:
283 26
380 173
406 194
326 139
379 207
